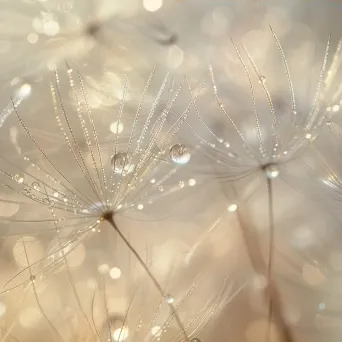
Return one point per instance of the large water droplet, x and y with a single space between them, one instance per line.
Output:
180 154
120 163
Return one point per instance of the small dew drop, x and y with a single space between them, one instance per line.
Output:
180 154
32 278
262 79
169 299
36 186
308 136
195 340
140 206
115 273
233 207
116 127
271 171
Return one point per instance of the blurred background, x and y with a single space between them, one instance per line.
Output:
80 287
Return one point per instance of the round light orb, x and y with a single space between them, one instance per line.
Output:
271 171
115 273
116 127
120 334
152 5
192 182
32 38
180 154
24 91
231 208
120 163
103 269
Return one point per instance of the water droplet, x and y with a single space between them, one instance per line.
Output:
233 207
262 79
195 340
180 154
140 206
271 171
169 299
33 278
35 186
120 163
19 178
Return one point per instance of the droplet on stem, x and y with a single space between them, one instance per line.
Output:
180 154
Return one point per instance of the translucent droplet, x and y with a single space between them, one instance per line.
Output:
19 178
120 163
180 154
195 340
36 186
262 79
140 206
32 278
169 299
271 171
231 208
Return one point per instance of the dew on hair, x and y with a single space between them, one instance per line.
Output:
180 154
